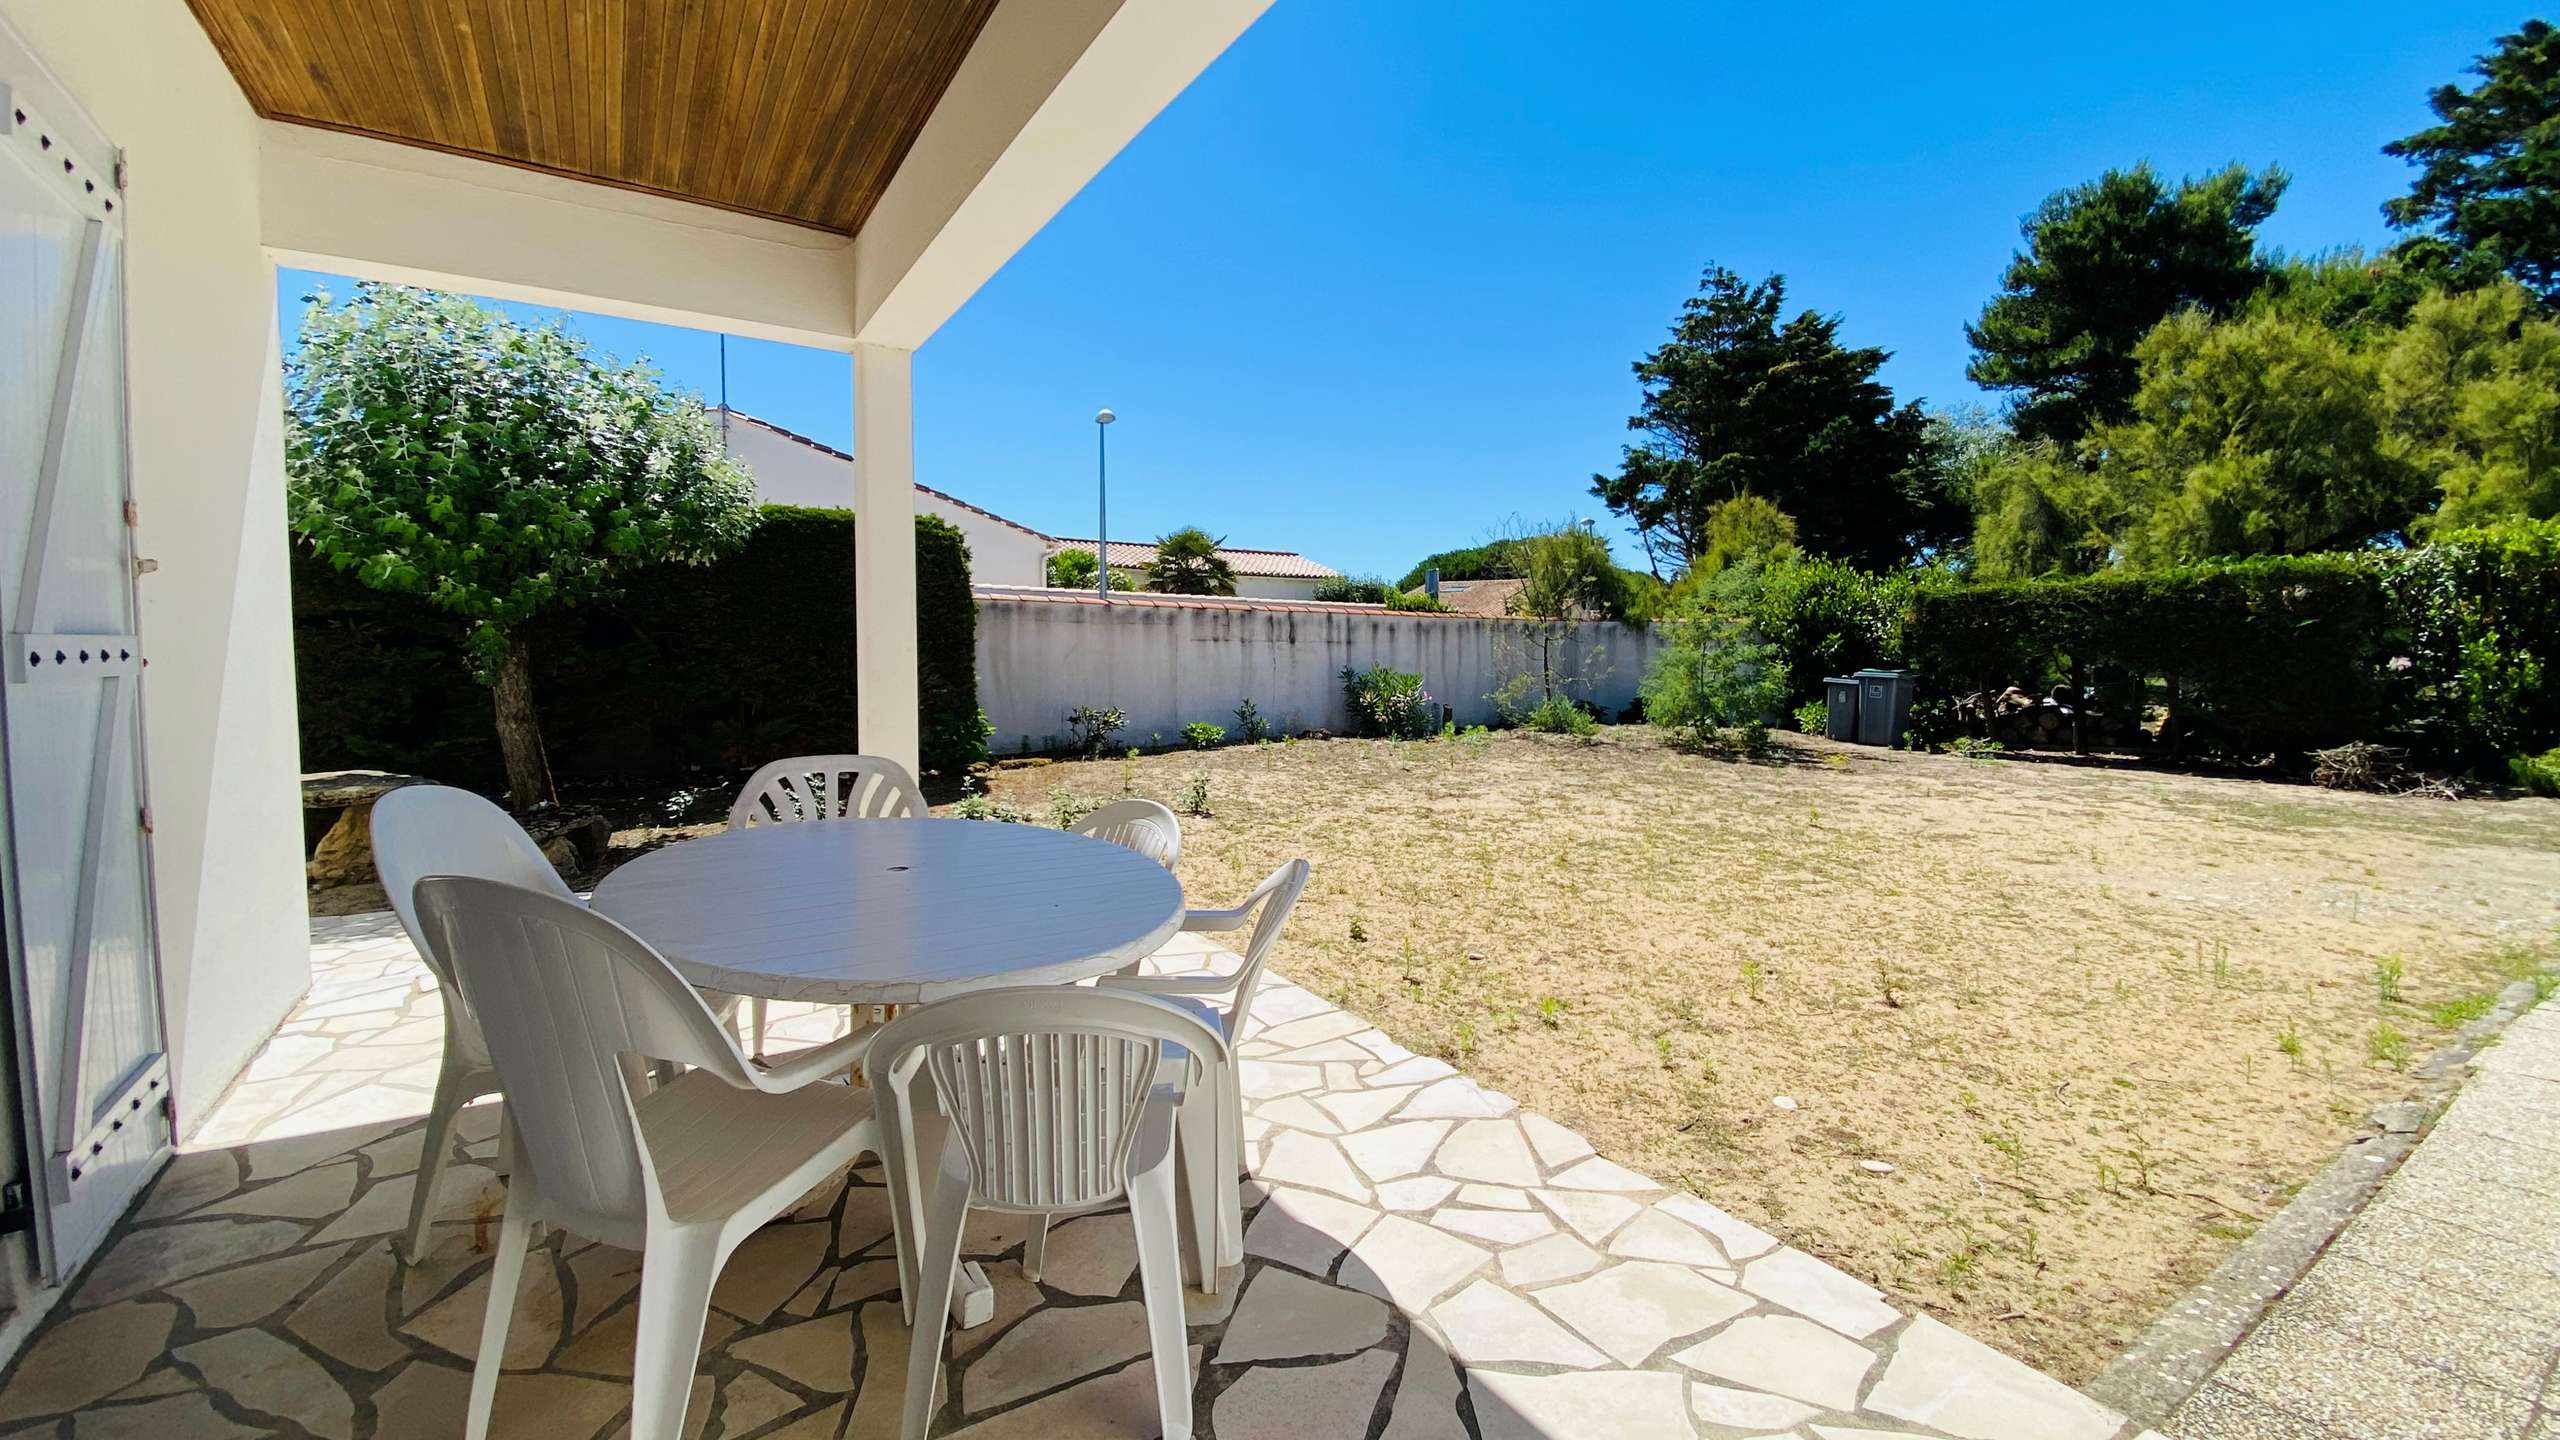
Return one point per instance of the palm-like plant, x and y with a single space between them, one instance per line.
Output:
1188 563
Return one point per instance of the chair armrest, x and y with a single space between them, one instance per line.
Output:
1217 919
1170 984
819 1063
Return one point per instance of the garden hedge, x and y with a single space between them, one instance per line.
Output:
2451 649
2273 656
693 672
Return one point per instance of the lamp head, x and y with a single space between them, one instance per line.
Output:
1103 417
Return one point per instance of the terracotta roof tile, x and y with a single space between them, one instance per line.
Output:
1276 564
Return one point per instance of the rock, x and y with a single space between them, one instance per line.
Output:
1875 1167
575 840
1784 1102
344 854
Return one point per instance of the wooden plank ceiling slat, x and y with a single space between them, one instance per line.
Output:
797 109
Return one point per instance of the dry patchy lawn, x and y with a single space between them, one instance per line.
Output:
2099 1022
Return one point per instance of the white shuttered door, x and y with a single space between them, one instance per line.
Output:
90 1054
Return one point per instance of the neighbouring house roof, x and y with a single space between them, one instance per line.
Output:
737 415
1269 564
1479 597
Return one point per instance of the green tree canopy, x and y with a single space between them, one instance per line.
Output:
1188 563
1742 527
1738 402
2489 170
498 472
1492 560
2105 262
2471 390
1073 570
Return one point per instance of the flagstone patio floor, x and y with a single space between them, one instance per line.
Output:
1426 1261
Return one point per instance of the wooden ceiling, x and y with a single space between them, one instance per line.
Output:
796 109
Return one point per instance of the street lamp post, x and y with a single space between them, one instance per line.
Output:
1102 493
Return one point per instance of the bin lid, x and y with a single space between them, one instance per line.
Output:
1838 680
1882 674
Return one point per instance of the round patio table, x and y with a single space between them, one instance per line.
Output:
893 912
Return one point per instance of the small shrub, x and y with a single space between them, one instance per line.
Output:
1066 808
1389 703
1096 729
1359 932
975 804
1193 797
1351 590
1551 1012
2289 1042
2539 774
1813 717
1415 600
1204 734
1250 724
2454 1014
1557 715
1966 747
1476 737
2387 1046
1715 683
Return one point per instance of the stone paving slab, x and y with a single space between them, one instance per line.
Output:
1425 1262
2435 1315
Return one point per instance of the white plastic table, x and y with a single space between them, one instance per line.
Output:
893 912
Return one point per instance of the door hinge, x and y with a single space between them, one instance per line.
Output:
146 820
16 1215
121 167
132 514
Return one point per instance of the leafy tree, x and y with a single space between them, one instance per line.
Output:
1073 570
2255 436
1353 590
1738 402
499 471
1493 560
1717 682
2104 263
1188 563
1568 576
1741 527
2471 388
2489 169
2028 518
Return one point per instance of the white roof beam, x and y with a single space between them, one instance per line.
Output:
1048 95
385 211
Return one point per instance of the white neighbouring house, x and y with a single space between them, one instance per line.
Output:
792 469
159 159
1260 574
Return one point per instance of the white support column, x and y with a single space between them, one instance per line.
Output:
884 552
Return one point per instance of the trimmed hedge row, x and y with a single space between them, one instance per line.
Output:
2452 650
695 669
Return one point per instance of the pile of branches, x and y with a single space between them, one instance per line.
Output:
2378 769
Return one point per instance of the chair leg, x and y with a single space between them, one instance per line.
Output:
676 1271
515 1235
939 1259
1197 1126
1231 1164
1151 1209
442 1112
1035 1248
756 1016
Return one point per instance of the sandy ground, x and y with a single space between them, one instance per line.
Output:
2099 1023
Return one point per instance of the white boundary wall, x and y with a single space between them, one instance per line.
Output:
1168 662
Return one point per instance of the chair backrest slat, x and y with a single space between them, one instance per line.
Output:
1141 825
565 995
1043 1086
827 787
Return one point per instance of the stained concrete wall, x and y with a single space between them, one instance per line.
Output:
1169 662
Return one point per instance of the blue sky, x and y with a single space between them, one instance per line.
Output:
1371 287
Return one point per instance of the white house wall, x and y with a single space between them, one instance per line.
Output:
788 472
1168 665
206 418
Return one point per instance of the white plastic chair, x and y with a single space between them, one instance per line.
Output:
827 787
424 830
821 787
1267 908
568 1001
1142 825
1052 1106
